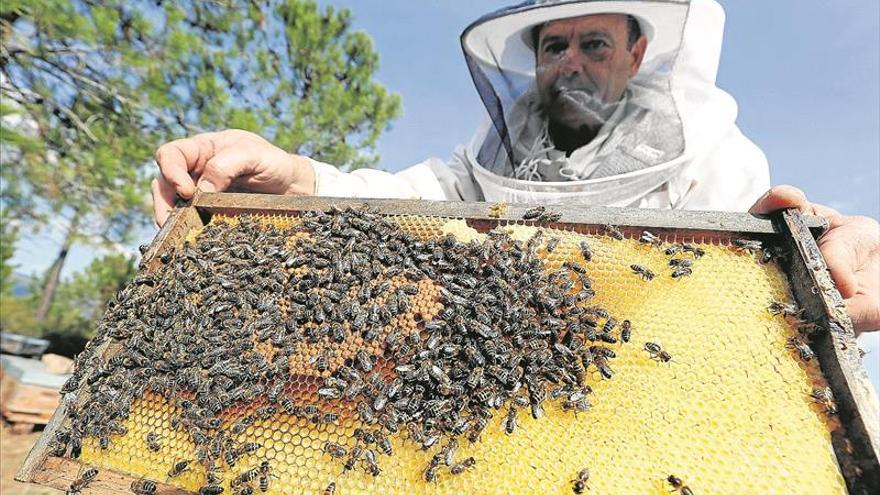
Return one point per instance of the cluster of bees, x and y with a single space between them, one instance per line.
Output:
218 326
822 396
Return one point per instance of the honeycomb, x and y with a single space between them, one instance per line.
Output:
730 412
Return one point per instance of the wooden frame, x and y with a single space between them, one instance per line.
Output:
857 446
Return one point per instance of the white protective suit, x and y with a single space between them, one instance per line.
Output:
715 168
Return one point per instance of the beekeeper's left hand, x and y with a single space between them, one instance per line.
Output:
851 248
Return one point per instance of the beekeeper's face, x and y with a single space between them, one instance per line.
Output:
583 65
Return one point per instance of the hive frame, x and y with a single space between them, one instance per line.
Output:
857 445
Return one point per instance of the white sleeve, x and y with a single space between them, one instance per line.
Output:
431 179
729 178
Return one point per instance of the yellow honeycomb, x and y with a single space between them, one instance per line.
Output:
730 413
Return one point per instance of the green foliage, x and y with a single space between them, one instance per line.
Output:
17 312
82 299
80 302
90 89
105 83
8 237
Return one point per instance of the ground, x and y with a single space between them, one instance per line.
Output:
13 449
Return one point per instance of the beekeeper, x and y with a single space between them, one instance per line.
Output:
589 102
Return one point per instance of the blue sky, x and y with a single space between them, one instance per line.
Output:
804 72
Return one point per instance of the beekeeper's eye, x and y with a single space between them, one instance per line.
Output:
555 47
593 45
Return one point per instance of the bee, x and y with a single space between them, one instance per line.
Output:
625 330
679 485
609 325
657 352
479 426
785 309
231 457
365 436
551 244
244 422
370 461
249 448
550 217
353 457
309 410
366 413
825 397
275 391
364 360
178 468
289 407
447 453
82 481
673 250
430 472
533 213
510 422
575 267
117 429
265 412
694 250
143 487
153 440
614 232
322 360
681 263
246 476
601 364
682 272
415 433
331 489
463 465
801 347
212 473
328 393
334 450
642 272
383 443
586 252
771 253
245 490
580 483
211 489
749 245
649 238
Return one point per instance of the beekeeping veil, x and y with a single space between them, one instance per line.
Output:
640 142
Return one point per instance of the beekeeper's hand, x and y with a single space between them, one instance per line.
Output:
851 247
219 161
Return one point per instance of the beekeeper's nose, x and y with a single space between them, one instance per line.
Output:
571 62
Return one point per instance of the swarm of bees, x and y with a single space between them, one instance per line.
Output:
512 335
